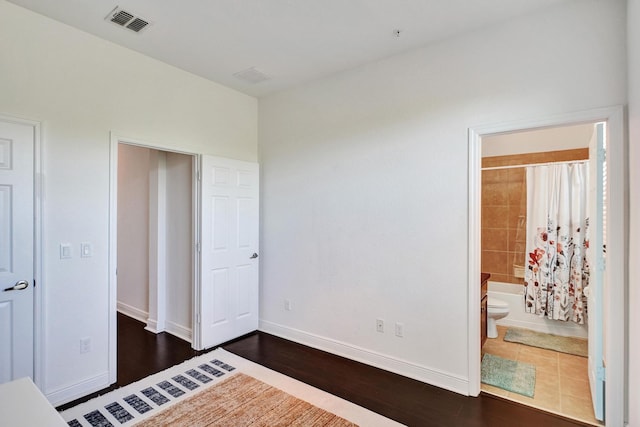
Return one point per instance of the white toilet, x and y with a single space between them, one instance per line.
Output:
496 309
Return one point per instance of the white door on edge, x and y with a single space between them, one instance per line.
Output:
228 302
597 255
16 250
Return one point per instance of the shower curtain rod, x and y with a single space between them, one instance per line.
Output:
533 164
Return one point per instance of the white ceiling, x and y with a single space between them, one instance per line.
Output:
292 41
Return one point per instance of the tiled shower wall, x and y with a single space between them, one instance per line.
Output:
504 210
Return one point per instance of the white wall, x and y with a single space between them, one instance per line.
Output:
633 48
133 230
179 247
82 88
364 174
538 141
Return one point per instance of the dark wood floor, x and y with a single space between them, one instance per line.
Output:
405 400
142 353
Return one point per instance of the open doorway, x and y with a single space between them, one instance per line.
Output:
153 259
155 247
613 276
522 173
213 293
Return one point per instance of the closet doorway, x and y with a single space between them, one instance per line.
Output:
155 238
184 241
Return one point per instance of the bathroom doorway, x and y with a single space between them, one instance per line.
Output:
561 382
614 308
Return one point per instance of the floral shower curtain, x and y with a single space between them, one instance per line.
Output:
557 270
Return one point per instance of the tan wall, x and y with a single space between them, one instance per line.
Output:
504 210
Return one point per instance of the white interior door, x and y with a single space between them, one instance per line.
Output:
596 256
16 250
228 303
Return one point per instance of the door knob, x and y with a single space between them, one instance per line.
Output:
20 285
254 256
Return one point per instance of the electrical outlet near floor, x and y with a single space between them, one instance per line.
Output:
287 305
379 325
399 329
85 345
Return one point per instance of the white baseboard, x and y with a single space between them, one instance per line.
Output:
66 394
140 315
152 326
131 311
408 369
173 328
179 331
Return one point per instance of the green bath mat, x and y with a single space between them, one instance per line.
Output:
570 345
508 374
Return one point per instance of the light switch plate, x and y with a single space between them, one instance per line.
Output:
65 250
86 250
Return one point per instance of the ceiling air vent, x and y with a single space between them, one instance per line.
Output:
251 75
127 19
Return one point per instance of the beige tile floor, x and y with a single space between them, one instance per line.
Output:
562 385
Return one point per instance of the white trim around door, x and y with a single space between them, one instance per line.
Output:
116 139
615 326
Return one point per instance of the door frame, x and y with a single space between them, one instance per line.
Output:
39 308
116 139
616 272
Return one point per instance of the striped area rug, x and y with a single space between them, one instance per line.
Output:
220 389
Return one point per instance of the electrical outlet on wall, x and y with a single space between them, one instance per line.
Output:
287 305
379 325
399 329
85 345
